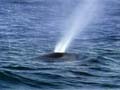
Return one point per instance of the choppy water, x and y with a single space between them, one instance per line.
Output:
29 28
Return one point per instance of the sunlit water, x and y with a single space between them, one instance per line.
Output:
31 28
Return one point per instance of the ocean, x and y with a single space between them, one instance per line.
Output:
29 29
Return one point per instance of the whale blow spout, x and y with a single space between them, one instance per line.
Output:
79 20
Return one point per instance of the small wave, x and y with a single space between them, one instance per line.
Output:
12 78
17 68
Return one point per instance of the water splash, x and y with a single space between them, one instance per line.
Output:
81 17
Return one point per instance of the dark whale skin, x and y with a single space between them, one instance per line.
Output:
59 56
54 55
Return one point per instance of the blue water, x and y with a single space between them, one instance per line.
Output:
31 28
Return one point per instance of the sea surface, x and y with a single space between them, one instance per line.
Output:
29 29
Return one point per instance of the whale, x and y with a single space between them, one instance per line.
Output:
56 56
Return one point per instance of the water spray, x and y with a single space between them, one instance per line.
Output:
78 21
